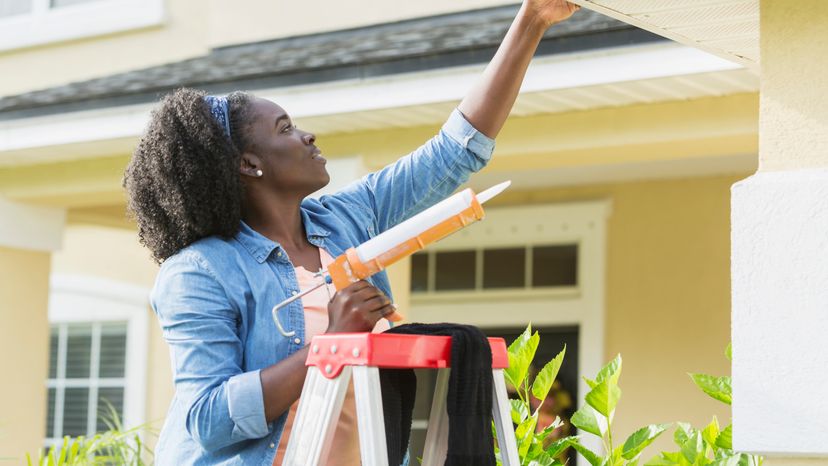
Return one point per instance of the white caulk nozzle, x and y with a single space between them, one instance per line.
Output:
493 191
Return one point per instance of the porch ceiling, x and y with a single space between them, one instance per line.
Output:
727 28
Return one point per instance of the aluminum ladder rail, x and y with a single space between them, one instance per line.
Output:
332 361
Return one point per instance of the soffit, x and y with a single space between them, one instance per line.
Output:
727 28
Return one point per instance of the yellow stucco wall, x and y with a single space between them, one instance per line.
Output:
285 19
794 117
59 63
667 292
194 26
25 289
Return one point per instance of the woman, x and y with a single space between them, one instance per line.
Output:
218 187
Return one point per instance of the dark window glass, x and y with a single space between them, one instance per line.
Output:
555 265
75 414
113 350
78 351
504 268
419 272
50 413
107 396
454 270
53 352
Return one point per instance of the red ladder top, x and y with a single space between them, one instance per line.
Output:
333 351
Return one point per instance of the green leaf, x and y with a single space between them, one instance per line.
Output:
718 388
729 352
611 370
544 460
557 447
520 411
546 377
693 448
593 459
660 461
604 397
711 432
520 359
683 432
726 461
641 438
525 434
590 382
521 341
585 420
725 438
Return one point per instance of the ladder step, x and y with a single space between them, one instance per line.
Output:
331 352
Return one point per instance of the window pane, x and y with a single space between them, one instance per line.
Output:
15 7
555 265
455 270
53 352
50 413
113 350
115 397
60 3
78 351
75 406
504 268
419 272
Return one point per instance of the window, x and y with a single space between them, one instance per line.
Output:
97 356
517 268
25 23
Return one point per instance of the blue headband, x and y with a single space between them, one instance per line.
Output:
220 111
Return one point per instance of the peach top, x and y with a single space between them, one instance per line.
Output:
346 437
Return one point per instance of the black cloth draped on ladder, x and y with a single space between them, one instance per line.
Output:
469 399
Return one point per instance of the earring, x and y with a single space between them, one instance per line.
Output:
258 173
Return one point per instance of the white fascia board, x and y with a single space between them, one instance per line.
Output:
606 66
30 227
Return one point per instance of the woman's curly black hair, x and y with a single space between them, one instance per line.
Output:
183 181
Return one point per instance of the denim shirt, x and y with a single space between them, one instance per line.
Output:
214 298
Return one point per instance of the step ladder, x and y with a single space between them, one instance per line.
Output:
336 357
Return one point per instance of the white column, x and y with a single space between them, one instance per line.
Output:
780 248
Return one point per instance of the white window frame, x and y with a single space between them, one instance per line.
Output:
85 299
44 24
581 223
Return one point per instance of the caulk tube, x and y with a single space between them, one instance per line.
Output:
415 225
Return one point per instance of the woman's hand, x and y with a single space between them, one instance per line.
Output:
550 12
357 308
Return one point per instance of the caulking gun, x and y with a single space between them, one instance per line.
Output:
431 225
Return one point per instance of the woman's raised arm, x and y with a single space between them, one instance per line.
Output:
489 102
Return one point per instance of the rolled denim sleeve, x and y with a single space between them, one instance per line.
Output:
224 404
424 177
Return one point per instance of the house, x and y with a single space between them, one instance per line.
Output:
615 236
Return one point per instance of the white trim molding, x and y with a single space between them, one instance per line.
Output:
78 298
31 227
779 276
46 24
